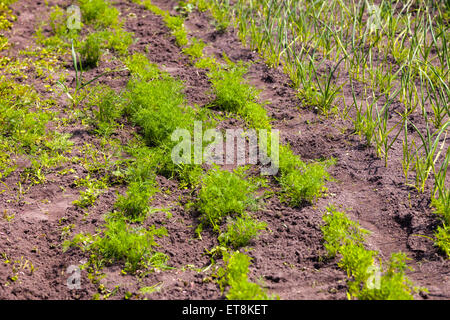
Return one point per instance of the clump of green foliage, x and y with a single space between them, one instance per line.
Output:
156 107
156 103
141 69
222 194
119 242
174 23
235 276
300 181
346 238
393 283
442 209
6 18
209 63
116 39
99 13
231 90
20 123
236 95
339 231
135 204
241 230
109 33
443 239
90 51
93 189
194 49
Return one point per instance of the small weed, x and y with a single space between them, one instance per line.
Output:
93 189
99 13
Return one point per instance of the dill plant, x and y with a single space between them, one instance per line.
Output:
235 276
119 242
222 194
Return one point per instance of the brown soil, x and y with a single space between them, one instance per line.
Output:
287 258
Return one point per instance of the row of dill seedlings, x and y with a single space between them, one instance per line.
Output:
265 25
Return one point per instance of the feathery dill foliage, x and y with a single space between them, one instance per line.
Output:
194 49
18 123
120 242
235 276
99 13
156 106
136 203
140 175
442 209
174 23
108 33
106 107
241 230
301 181
369 281
90 51
224 193
234 94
